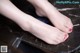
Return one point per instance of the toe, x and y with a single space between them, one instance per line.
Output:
68 29
64 29
63 37
69 26
66 36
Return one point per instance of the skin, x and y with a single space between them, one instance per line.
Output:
44 8
47 33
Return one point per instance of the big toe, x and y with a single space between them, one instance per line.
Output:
69 26
66 27
64 36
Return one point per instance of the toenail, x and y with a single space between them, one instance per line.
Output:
70 30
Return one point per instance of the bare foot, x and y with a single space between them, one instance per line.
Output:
45 32
41 30
59 20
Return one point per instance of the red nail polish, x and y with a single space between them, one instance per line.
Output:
70 29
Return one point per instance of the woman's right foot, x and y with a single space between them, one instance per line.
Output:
45 32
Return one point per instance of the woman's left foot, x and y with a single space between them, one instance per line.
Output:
59 20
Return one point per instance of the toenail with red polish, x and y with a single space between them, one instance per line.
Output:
70 29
